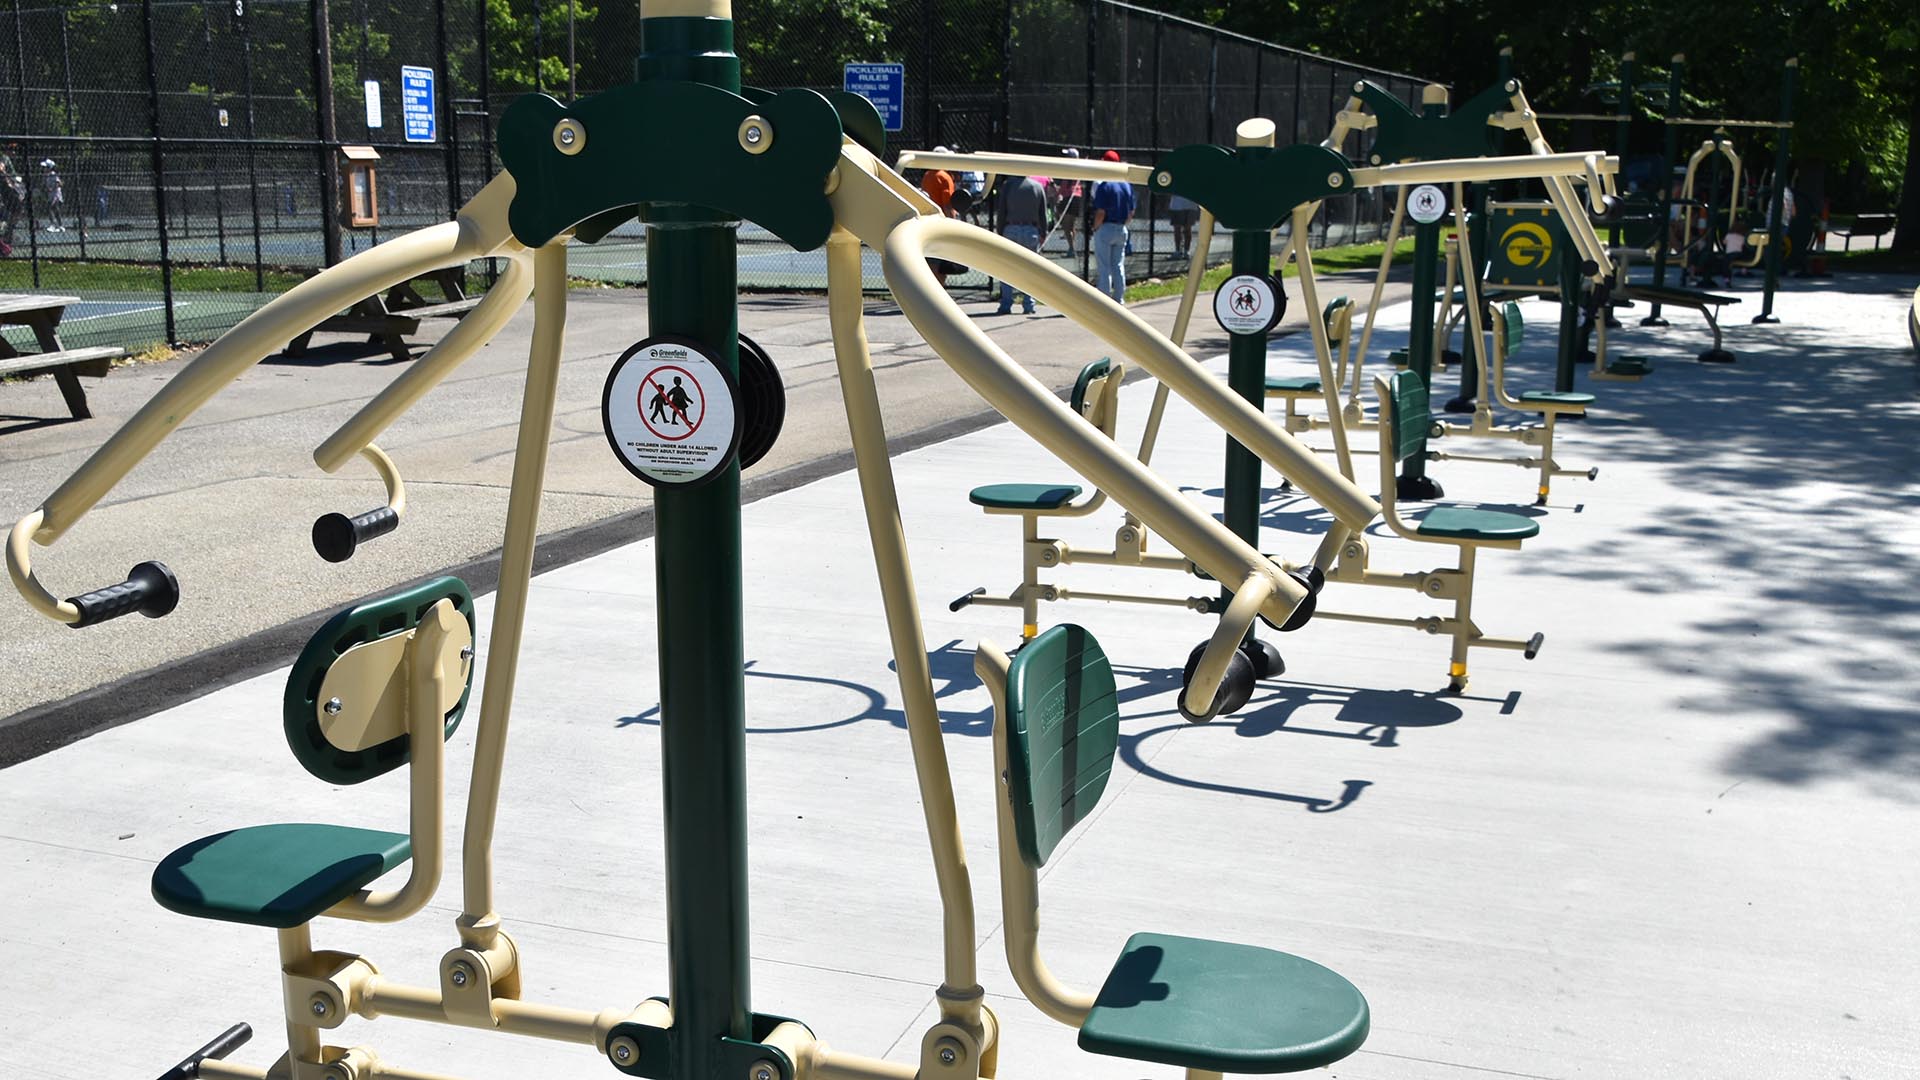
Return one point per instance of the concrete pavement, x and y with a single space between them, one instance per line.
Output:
228 500
1680 843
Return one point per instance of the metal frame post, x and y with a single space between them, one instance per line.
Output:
1776 227
253 173
1247 377
692 284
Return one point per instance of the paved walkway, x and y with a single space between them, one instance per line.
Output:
1681 843
241 472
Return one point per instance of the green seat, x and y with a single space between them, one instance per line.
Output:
1213 1005
1024 496
275 875
1301 384
1557 397
1455 523
1181 1001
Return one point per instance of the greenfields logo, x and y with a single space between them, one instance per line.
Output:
1527 244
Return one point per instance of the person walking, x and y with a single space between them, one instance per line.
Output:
1023 220
56 197
938 186
1183 213
10 205
1068 194
1112 205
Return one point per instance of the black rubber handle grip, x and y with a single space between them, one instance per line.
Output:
150 589
336 536
229 1041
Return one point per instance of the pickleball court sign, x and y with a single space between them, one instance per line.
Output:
669 413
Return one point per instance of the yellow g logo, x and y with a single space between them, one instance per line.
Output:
1527 244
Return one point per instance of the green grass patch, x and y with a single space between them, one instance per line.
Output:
1331 260
16 275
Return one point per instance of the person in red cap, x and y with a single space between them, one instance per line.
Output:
1112 204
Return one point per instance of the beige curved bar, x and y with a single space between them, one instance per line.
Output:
389 476
1059 168
1228 633
20 569
479 326
480 230
1019 397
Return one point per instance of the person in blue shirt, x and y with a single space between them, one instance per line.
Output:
1112 206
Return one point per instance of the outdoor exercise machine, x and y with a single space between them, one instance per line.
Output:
1250 190
1716 148
693 152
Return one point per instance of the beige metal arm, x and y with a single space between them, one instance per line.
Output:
1059 168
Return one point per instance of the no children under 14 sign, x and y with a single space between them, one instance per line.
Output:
670 412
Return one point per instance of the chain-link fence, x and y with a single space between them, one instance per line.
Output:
174 164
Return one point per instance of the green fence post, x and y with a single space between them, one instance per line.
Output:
691 286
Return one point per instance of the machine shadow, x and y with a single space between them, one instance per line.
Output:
1367 715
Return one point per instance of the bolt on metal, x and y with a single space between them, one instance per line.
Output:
333 706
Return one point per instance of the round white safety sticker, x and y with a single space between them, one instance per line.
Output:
1247 304
669 411
1426 203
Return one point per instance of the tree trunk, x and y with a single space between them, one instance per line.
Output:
1906 236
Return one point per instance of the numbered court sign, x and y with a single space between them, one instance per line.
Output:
1248 304
1426 204
671 412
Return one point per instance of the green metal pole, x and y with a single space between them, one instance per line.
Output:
1247 376
1776 228
1414 483
1670 149
691 286
1623 129
1572 341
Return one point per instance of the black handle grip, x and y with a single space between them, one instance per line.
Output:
336 536
229 1041
150 589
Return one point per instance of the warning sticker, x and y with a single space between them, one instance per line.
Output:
669 411
1426 204
1248 304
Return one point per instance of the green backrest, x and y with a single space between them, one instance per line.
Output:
1411 416
1513 328
1062 729
1081 385
396 614
1523 244
1337 326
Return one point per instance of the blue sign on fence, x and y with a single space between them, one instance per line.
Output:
883 84
417 113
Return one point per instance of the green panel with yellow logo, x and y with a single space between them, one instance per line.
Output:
1523 240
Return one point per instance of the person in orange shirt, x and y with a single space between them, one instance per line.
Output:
938 184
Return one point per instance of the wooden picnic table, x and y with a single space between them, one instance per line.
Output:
42 315
390 319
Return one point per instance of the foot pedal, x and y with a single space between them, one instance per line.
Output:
1533 646
968 598
229 1041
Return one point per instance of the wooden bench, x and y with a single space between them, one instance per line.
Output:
1874 225
389 320
42 315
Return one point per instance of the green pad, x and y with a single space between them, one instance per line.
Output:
1630 365
1557 397
1024 496
396 614
1514 327
1212 1005
1063 726
1411 415
1300 384
1679 297
275 875
1455 523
